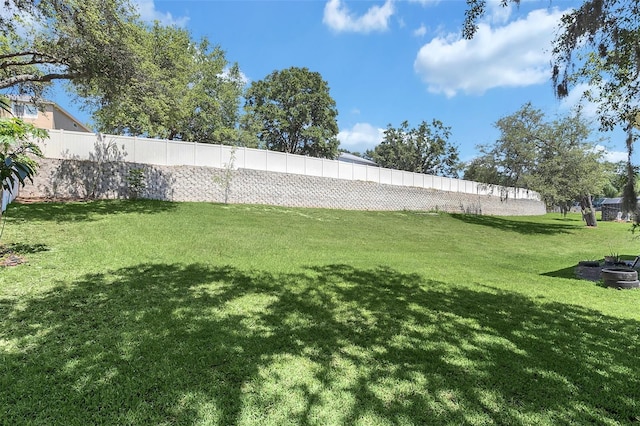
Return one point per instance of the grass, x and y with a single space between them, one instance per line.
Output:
160 313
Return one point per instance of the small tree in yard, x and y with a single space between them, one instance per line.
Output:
18 147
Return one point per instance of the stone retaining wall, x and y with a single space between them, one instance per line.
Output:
82 179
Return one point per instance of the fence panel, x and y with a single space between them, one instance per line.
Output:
207 155
295 164
330 169
68 144
359 172
373 174
277 163
313 166
125 146
151 151
181 154
254 159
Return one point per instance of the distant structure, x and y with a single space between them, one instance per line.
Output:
350 158
45 115
612 210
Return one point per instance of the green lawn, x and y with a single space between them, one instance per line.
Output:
192 313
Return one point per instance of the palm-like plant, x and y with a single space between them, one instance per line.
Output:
18 152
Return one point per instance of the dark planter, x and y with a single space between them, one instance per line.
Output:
620 277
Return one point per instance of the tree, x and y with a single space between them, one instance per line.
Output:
295 113
88 42
598 44
568 167
424 149
554 158
617 178
511 160
18 146
187 91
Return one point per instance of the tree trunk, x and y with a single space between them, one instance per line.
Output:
588 212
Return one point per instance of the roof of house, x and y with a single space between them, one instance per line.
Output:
350 158
616 200
31 100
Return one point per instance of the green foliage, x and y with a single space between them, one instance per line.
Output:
226 178
293 112
186 91
147 312
597 45
91 43
424 149
512 158
618 177
5 105
136 182
18 146
553 158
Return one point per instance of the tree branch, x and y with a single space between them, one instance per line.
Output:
24 78
27 53
33 61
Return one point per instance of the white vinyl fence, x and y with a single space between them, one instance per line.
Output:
88 146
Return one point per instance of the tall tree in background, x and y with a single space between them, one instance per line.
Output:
514 154
424 149
598 44
568 167
88 42
554 158
294 112
185 91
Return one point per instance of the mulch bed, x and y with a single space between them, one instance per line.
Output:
9 258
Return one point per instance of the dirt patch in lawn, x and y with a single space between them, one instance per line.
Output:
10 258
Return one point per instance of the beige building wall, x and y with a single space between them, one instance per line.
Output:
63 120
53 117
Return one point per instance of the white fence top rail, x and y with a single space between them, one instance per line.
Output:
64 144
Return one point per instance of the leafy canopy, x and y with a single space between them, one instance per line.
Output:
424 149
293 111
554 158
186 91
89 42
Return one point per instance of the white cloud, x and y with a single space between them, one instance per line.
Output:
612 156
420 32
338 17
514 55
361 135
242 77
497 13
425 2
149 13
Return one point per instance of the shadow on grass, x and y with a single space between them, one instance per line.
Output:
181 344
83 210
567 273
519 226
22 248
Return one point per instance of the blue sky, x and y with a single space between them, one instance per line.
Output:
390 61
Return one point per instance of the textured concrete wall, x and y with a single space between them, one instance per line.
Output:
81 179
